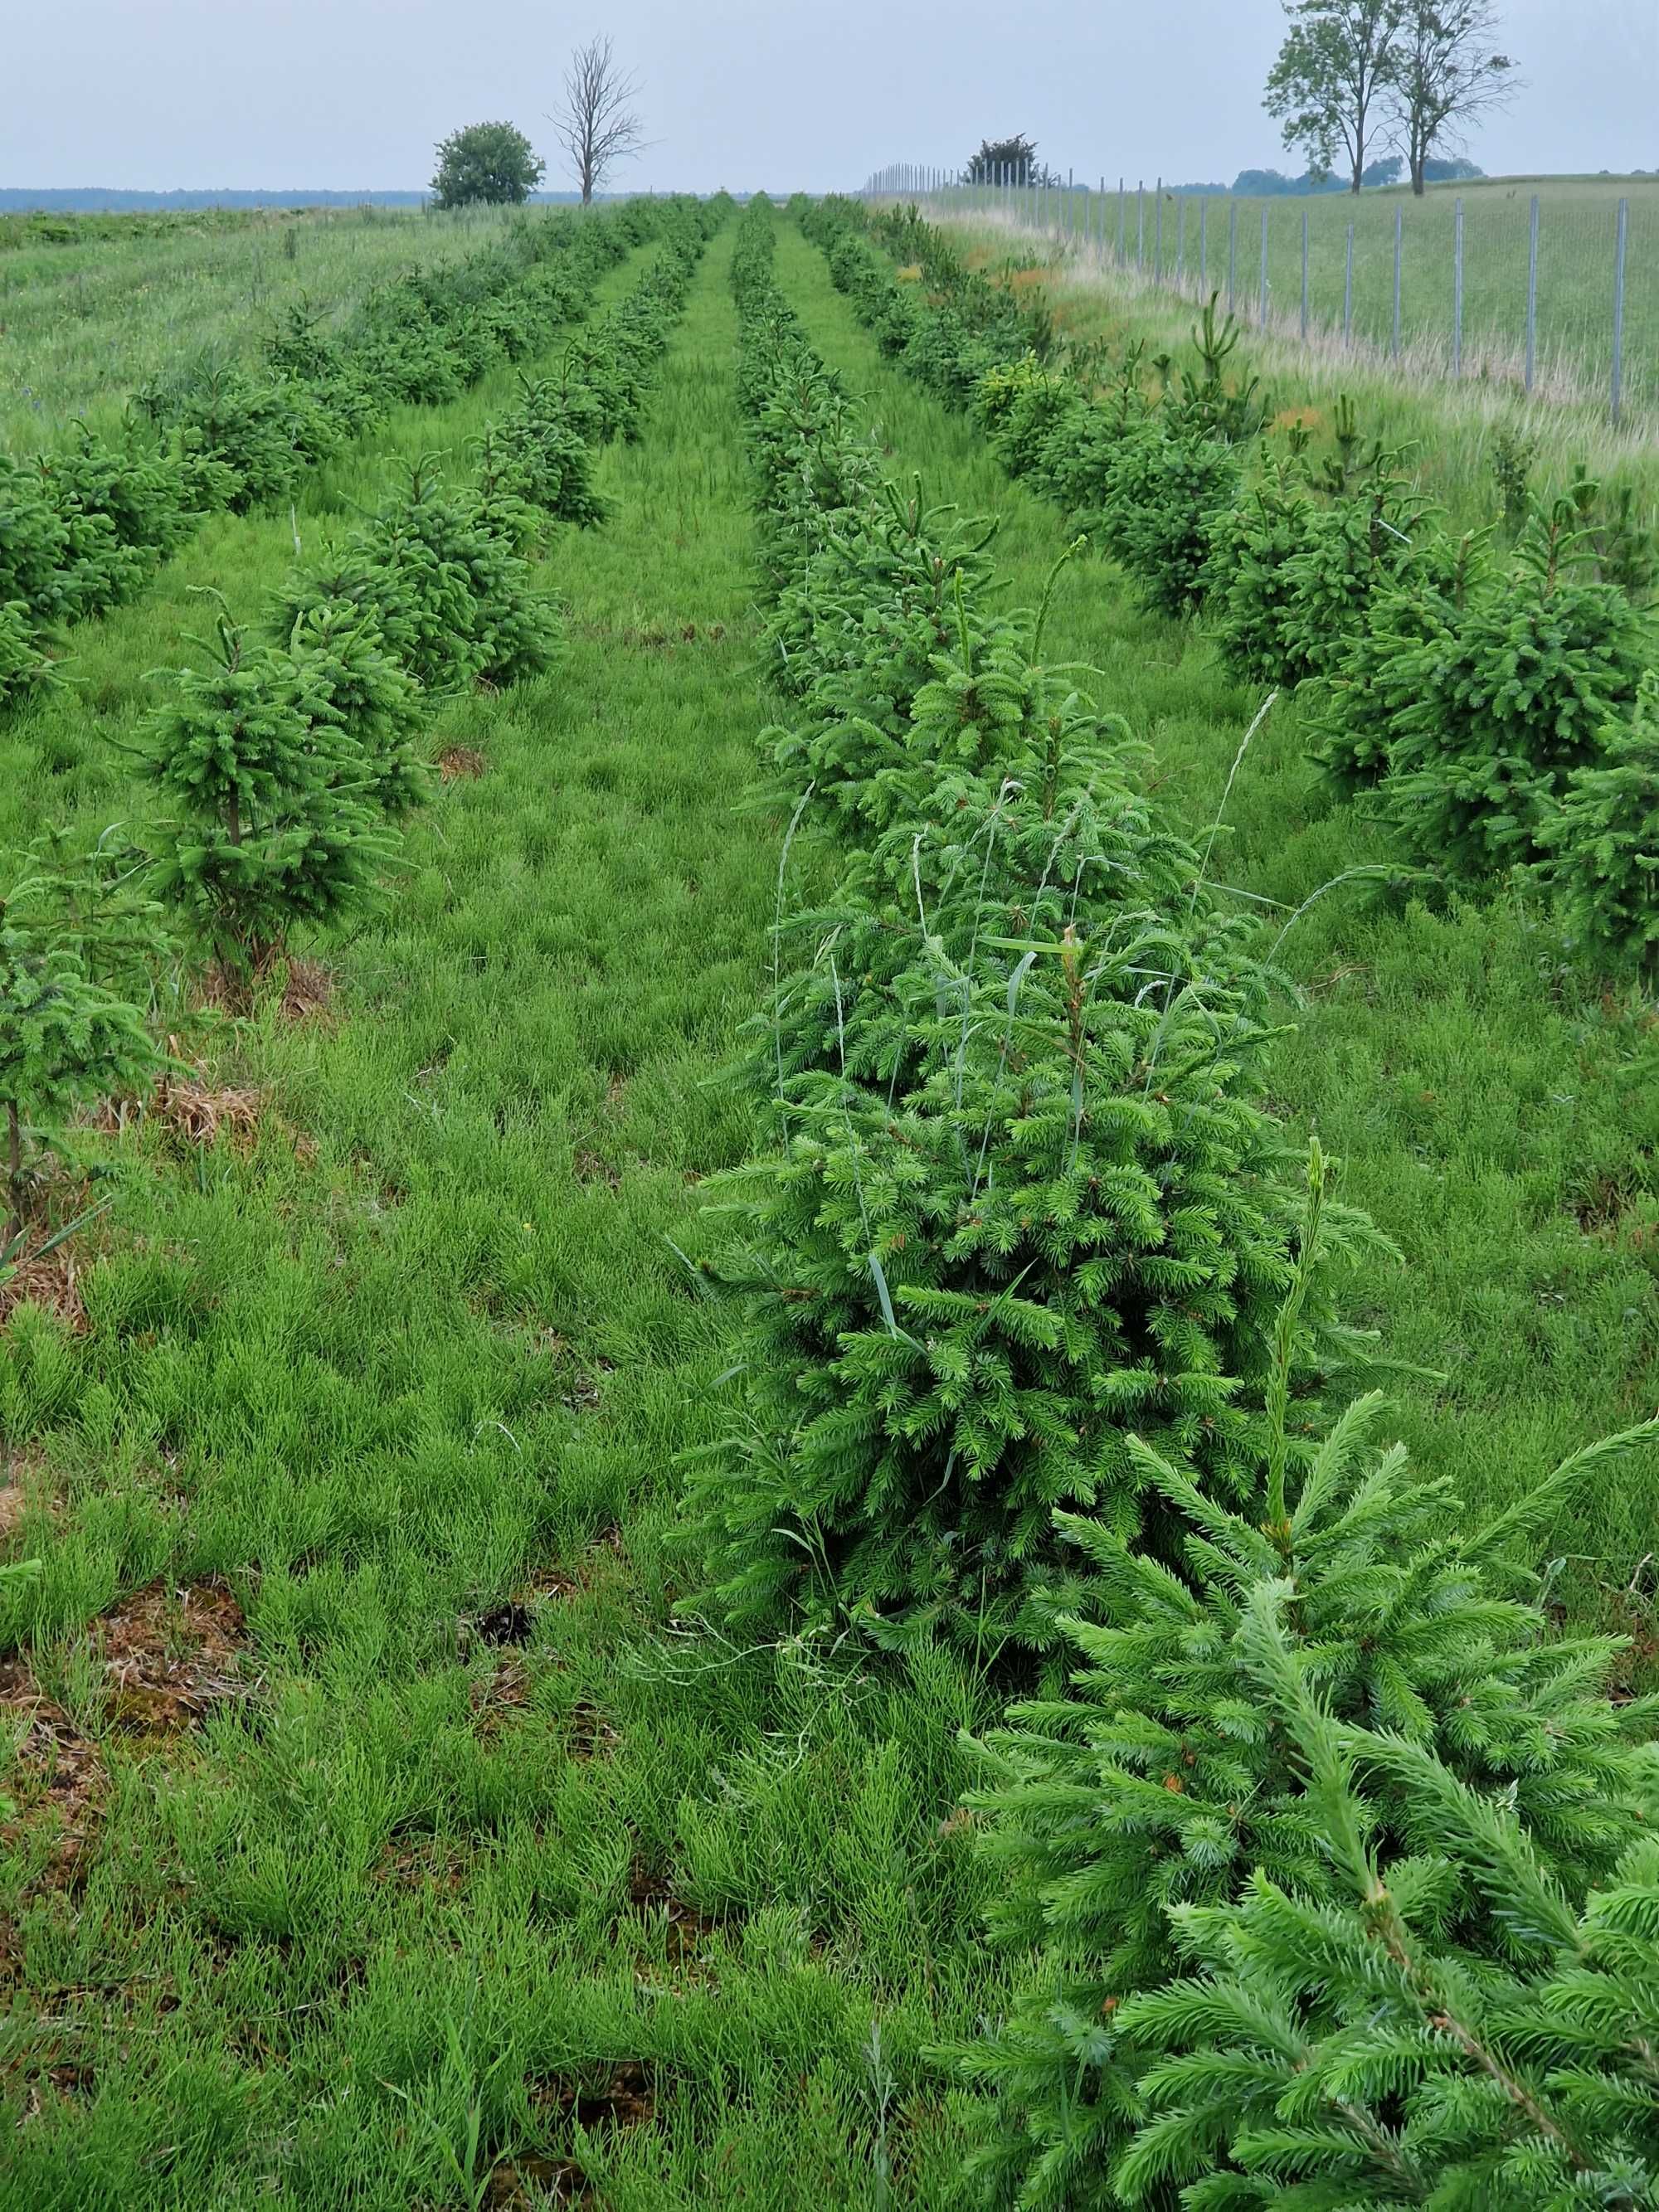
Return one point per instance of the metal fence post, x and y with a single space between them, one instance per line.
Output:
1304 274
1532 297
1457 288
1621 242
1399 245
1347 293
1232 252
1157 233
1264 265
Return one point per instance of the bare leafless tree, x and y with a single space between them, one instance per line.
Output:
598 125
1445 75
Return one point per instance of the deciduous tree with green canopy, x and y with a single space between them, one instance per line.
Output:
491 164
1339 59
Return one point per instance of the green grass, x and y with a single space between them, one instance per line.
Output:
423 1351
408 1914
82 326
45 227
1448 433
1577 222
1492 1099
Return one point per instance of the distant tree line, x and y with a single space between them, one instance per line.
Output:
1274 184
1014 160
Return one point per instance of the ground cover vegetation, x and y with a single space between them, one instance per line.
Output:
939 1486
1147 256
87 526
122 301
281 765
826 1492
1469 677
1497 1130
498 1635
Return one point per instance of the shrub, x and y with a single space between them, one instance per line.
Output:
1291 577
613 387
33 548
412 363
880 615
21 662
1206 405
543 458
1622 546
1164 495
361 705
480 619
450 598
1350 711
1601 845
1498 707
1290 1829
264 826
1022 406
257 432
64 1042
1367 2050
122 513
949 896
962 1304
1074 464
854 630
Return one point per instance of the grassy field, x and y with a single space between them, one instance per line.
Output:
382 1842
381 1409
1450 432
1482 1090
83 325
1188 243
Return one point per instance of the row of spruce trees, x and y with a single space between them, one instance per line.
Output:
1492 693
83 527
282 763
1324 1863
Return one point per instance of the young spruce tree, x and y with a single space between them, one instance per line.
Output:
1309 1849
263 823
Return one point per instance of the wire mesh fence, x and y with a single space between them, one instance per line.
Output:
1554 291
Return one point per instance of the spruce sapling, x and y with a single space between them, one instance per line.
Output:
65 1042
264 824
1601 844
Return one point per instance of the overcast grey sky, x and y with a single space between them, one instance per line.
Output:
154 94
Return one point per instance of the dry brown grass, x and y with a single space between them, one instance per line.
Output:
170 1654
460 764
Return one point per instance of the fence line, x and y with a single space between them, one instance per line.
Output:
1452 281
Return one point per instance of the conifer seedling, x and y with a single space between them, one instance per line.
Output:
264 826
64 1042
